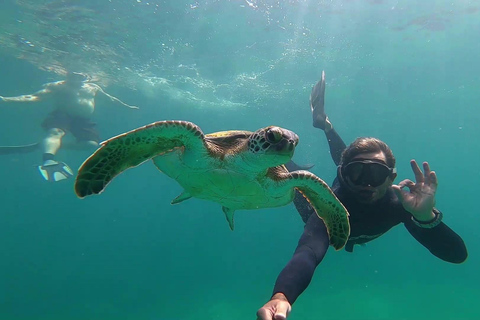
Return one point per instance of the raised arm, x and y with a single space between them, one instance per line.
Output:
441 241
321 121
34 97
112 97
425 224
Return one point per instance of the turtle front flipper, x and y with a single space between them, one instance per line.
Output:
326 205
131 149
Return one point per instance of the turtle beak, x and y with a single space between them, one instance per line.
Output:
293 140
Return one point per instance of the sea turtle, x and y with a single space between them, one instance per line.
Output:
237 169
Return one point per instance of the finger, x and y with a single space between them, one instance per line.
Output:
282 311
426 170
432 177
398 189
263 314
416 170
406 183
399 192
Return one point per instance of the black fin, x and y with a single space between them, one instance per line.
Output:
19 149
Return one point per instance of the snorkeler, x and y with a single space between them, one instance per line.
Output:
364 185
73 101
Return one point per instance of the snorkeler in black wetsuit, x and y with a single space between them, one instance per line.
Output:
364 184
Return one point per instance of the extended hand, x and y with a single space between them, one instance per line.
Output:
276 309
419 201
133 107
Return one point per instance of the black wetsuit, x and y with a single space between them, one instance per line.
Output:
367 222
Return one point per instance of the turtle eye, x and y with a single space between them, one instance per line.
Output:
273 136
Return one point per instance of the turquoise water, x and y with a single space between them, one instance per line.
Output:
405 72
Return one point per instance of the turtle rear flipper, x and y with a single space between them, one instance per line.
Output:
325 203
132 149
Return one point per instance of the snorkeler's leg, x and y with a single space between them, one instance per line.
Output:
317 105
53 141
321 121
86 133
53 170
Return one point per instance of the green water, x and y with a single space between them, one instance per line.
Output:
405 72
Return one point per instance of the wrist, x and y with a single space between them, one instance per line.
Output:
424 217
279 296
438 216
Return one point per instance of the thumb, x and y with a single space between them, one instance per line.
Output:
399 192
282 311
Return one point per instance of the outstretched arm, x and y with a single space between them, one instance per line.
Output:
298 273
321 121
112 97
311 250
34 97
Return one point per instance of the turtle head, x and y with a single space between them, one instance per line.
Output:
272 146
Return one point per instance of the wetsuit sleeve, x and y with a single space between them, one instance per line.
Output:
311 249
441 241
336 145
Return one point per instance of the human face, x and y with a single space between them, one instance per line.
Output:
367 193
75 79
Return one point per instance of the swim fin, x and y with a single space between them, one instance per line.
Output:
19 149
317 105
54 171
292 166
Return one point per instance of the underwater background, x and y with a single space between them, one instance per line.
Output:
406 72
